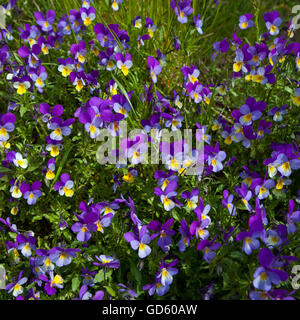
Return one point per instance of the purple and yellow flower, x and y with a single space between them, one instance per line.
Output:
45 22
31 193
17 287
155 68
62 256
141 242
107 261
26 244
245 21
273 21
182 9
7 121
124 63
65 185
265 275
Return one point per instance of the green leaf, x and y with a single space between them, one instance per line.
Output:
23 110
99 276
110 290
75 284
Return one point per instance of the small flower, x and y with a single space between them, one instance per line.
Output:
65 185
245 21
19 161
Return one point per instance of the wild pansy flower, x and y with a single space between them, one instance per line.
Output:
141 242
167 195
104 222
265 275
263 128
31 193
272 239
91 121
115 4
151 27
221 46
273 21
227 203
296 98
186 236
174 122
166 272
241 57
137 22
85 226
198 23
155 68
77 79
7 121
277 113
130 175
128 293
182 9
15 189
256 230
38 76
208 248
164 233
44 261
195 91
191 197
16 287
124 63
22 85
60 128
140 40
121 104
54 147
19 161
262 75
26 244
45 22
65 185
292 217
250 111
245 21
9 226
66 66
52 283
285 165
262 187
62 256
216 161
47 113
245 194
156 287
107 262
87 15
79 51
198 227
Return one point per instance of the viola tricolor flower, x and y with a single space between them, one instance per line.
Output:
141 242
155 68
31 193
124 63
17 287
182 9
65 185
265 275
245 21
107 261
273 21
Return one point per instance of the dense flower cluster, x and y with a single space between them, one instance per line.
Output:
98 218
